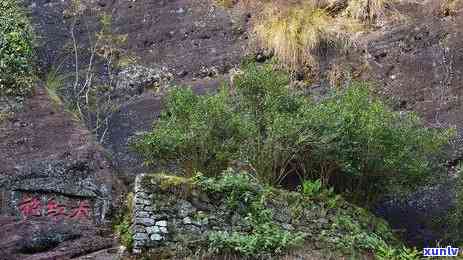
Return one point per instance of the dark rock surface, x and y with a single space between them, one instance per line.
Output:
414 216
186 42
418 66
185 36
42 239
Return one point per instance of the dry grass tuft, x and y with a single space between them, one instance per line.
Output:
366 10
226 3
451 7
296 33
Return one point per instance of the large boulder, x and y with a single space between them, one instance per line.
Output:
58 191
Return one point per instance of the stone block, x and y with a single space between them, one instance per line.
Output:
152 230
156 237
142 214
187 221
140 236
163 230
161 223
144 221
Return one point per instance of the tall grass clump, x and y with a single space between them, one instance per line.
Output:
366 10
298 33
350 140
16 52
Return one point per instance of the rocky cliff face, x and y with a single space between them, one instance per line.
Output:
186 42
418 64
58 189
47 158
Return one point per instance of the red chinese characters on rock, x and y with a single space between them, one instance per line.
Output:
82 211
32 207
55 210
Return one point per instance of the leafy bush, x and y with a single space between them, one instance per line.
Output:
310 188
350 140
266 238
358 235
315 190
15 50
202 132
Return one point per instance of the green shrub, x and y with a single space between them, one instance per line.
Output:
368 147
362 232
16 53
315 190
310 188
350 140
266 238
202 132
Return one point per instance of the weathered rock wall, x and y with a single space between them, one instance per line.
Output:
418 66
173 216
169 217
176 217
182 41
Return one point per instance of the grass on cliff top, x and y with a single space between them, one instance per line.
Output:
451 7
298 32
296 35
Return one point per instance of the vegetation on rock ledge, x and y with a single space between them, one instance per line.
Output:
16 54
339 226
349 140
